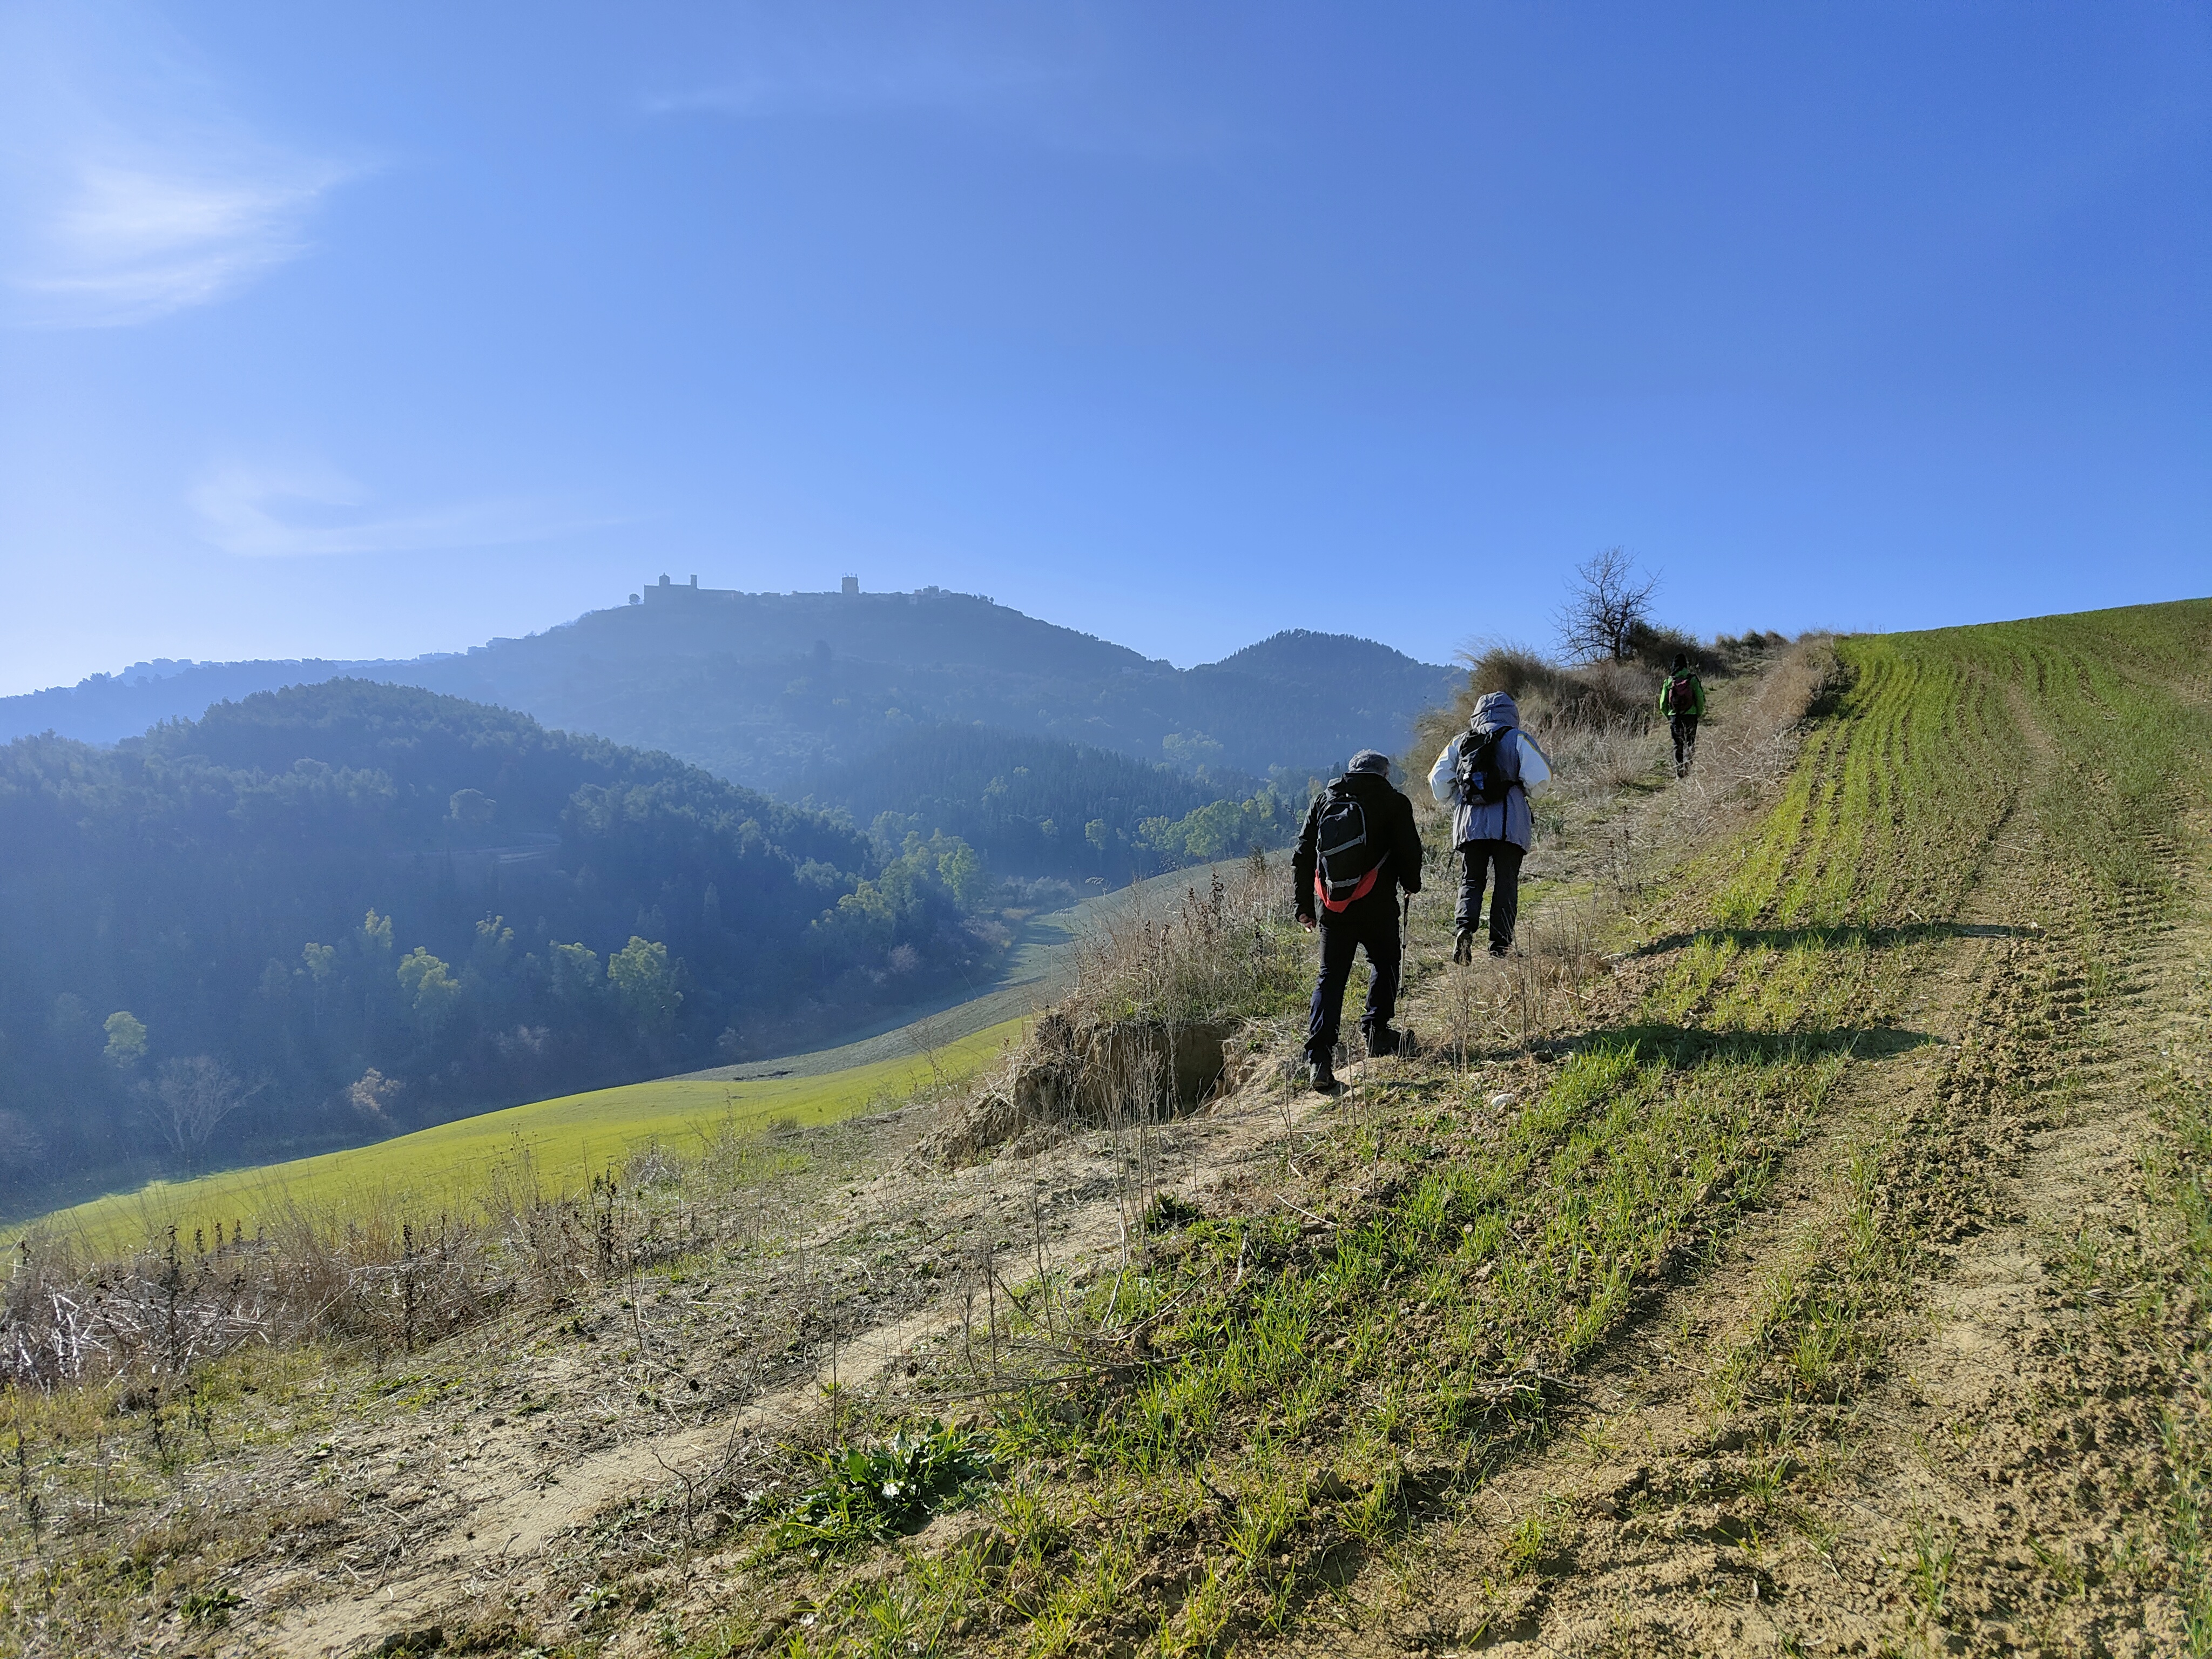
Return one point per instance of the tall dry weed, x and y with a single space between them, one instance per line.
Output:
371 1274
1227 951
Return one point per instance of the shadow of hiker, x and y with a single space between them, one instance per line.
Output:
1784 938
1688 1047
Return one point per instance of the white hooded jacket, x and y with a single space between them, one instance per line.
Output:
1518 757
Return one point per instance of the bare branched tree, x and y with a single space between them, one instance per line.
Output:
1610 599
192 1099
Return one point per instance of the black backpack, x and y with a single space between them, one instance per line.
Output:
1481 780
1681 695
1347 859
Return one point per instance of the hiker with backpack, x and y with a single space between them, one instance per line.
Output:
1485 775
1359 846
1682 701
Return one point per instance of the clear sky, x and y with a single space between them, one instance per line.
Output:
371 330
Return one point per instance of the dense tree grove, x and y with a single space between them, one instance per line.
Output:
338 910
1039 806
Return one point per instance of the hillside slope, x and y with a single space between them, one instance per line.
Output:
1037 806
1801 1247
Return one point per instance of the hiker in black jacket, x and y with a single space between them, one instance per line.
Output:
1359 848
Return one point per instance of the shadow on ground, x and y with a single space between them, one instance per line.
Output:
1785 939
1687 1046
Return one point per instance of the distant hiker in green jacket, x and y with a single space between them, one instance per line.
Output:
1682 701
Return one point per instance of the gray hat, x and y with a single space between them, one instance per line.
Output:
1371 760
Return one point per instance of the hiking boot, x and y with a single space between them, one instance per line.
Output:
1501 947
1463 946
1381 1041
1323 1079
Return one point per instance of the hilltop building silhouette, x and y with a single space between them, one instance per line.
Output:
663 591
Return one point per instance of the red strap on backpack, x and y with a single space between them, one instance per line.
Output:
1366 886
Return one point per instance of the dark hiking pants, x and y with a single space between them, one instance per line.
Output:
1371 927
1478 862
1684 728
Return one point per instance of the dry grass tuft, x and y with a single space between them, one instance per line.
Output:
1552 694
1166 997
1228 952
373 1278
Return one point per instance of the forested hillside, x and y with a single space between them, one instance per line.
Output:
336 910
764 689
1037 806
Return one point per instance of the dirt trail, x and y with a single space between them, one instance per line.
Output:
502 1534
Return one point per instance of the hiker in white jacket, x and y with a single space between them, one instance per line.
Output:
1485 775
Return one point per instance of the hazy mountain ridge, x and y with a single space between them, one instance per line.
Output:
762 688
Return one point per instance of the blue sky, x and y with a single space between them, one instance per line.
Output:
370 331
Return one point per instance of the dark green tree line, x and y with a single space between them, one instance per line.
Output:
338 910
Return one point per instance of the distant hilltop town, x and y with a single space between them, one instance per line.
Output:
665 590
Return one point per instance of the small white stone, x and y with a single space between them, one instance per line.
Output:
1505 1098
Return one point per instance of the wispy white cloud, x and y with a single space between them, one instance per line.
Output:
923 83
127 243
306 512
129 188
1053 75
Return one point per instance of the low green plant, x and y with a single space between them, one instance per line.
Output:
209 1607
1526 1543
1166 1213
879 1491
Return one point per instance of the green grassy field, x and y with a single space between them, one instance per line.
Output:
558 1143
